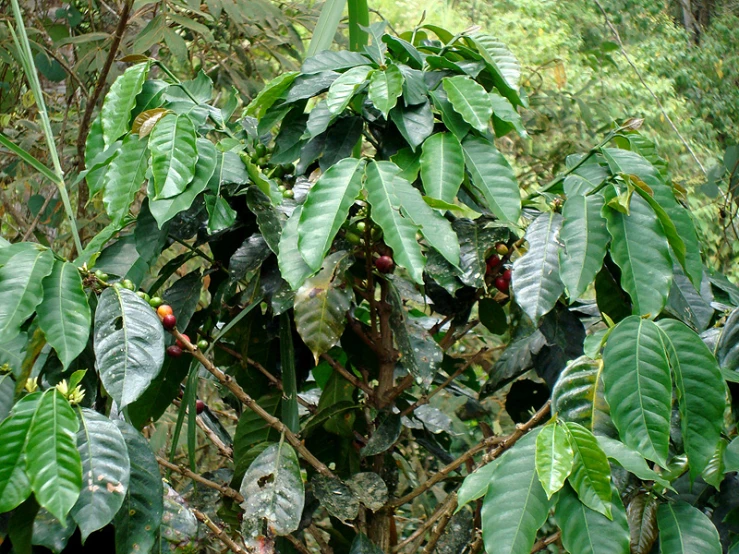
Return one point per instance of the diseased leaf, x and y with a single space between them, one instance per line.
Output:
336 497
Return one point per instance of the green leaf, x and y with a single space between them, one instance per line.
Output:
515 486
384 437
209 165
554 457
630 460
442 166
332 61
50 533
174 155
137 522
326 208
503 65
701 392
326 27
493 178
21 288
15 486
475 485
535 280
342 90
684 529
124 177
290 388
451 119
220 213
128 343
687 304
587 532
64 314
105 472
269 94
727 349
731 456
585 238
362 545
321 304
409 163
385 87
273 490
415 123
470 100
591 474
640 249
636 374
29 159
268 218
292 265
251 434
120 100
52 459
578 396
398 232
505 116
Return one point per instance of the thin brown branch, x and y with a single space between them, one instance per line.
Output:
322 544
426 397
100 84
450 502
502 444
443 522
249 402
346 374
299 546
543 543
218 532
225 450
36 219
184 471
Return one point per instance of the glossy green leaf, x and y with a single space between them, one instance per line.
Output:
701 392
342 90
731 456
449 116
470 100
554 457
326 208
220 213
684 529
640 249
442 166
321 304
137 522
585 239
52 459
505 69
174 155
105 472
292 265
384 437
120 100
329 60
273 490
64 314
505 116
128 343
591 474
21 288
587 532
475 485
636 374
209 166
269 94
363 545
535 280
578 396
515 486
385 87
399 232
630 460
15 486
687 304
493 177
124 177
415 123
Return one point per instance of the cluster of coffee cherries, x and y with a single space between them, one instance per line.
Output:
502 280
284 174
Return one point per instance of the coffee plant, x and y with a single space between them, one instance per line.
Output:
322 287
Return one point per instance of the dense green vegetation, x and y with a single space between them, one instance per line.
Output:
274 281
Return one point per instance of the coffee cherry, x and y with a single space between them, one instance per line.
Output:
164 310
128 284
260 149
282 188
174 351
155 302
202 344
507 275
384 264
199 406
492 263
141 294
501 284
182 344
501 248
288 193
353 238
361 226
169 322
101 275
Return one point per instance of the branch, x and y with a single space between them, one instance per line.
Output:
346 374
184 471
218 532
502 445
446 515
543 543
450 503
299 546
322 544
249 402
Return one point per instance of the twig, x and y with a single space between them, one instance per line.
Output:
543 543
346 374
426 397
218 532
443 522
502 445
449 502
249 402
322 544
297 544
225 450
182 470
100 84
646 86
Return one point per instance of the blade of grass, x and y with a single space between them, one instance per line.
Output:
289 382
358 18
325 30
29 159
